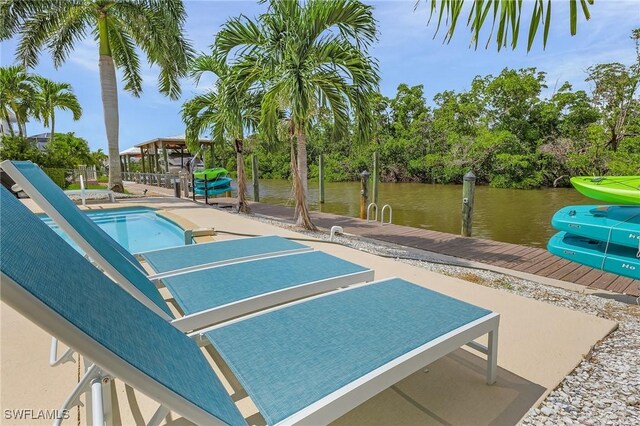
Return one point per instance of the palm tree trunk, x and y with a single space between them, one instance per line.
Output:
53 127
242 184
302 161
7 118
302 212
111 120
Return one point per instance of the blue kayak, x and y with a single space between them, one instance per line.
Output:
618 225
596 254
213 184
213 191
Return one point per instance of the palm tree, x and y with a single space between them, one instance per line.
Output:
17 97
505 16
226 112
51 95
308 56
119 27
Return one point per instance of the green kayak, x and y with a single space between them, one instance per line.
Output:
210 174
611 189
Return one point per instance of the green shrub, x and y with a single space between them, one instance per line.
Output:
59 176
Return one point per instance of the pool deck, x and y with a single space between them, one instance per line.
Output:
539 345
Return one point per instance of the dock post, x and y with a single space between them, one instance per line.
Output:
321 177
364 193
254 176
376 177
193 186
206 190
468 191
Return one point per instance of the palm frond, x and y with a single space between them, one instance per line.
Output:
13 14
153 27
38 30
125 57
71 28
352 18
504 17
239 33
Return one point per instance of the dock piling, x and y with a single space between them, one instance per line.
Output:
376 177
364 193
254 176
321 177
468 191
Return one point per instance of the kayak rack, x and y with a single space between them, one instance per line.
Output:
375 210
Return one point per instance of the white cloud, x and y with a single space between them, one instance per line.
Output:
85 54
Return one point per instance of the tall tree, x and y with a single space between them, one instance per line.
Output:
504 17
226 112
51 95
17 97
120 28
309 56
615 88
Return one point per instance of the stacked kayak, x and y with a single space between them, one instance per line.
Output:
211 181
602 255
619 225
610 189
210 174
602 237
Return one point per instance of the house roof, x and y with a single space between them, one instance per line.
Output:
170 142
40 136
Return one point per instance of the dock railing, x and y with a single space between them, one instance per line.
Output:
162 180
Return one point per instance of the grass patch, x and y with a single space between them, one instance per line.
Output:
471 277
87 186
503 283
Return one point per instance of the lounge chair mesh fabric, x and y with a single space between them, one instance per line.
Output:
201 290
351 333
113 252
39 260
198 254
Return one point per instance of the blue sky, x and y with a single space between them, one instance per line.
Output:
406 51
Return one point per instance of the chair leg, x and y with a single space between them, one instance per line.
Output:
67 356
158 416
97 409
74 397
492 357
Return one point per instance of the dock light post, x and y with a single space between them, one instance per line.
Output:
468 191
364 193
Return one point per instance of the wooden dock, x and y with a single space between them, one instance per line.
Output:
533 260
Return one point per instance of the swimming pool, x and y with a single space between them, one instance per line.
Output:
137 229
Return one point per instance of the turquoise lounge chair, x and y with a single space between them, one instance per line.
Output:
223 288
216 294
166 262
309 361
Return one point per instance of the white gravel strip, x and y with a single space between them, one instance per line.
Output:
100 196
603 390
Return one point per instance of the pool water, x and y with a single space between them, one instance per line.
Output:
136 229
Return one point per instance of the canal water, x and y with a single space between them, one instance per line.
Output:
509 215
